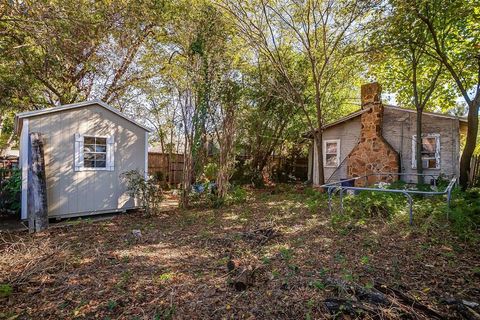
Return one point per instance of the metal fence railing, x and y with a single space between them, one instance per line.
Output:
342 186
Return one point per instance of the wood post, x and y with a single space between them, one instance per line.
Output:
37 185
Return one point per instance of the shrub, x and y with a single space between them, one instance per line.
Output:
10 190
147 191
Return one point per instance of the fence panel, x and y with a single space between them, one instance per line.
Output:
474 178
168 167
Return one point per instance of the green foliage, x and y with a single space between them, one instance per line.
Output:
463 215
286 253
237 195
163 278
111 305
209 198
210 171
147 191
369 204
315 199
10 189
318 284
5 290
70 51
159 176
6 130
429 212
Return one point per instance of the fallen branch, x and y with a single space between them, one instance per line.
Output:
409 301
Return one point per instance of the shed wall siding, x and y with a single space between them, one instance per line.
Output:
70 192
398 129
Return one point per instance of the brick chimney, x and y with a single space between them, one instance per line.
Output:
373 154
371 93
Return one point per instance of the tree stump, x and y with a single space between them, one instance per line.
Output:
37 185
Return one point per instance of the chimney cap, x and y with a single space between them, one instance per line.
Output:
371 93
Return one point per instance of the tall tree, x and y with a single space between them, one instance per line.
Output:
326 33
268 120
77 50
198 66
404 67
455 38
224 120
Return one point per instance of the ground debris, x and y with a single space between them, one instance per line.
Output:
282 260
241 274
261 235
372 300
137 234
338 306
468 309
370 295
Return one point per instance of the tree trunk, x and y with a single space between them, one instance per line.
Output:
319 146
470 143
227 158
418 147
37 186
187 175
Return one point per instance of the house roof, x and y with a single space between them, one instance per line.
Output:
360 112
20 116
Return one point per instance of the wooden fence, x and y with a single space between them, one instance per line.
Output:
474 178
167 167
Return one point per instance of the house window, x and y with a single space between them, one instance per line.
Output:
94 152
331 153
430 151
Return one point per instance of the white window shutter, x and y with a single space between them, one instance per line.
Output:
111 153
414 152
78 157
437 151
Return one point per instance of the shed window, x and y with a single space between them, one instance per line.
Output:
94 152
430 151
331 153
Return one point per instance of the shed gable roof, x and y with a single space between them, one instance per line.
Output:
20 116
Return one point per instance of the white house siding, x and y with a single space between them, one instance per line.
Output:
400 126
78 193
349 133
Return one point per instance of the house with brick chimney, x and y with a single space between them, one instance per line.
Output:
381 138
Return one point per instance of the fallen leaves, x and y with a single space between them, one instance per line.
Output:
188 264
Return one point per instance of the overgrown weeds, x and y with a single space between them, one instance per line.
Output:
208 197
429 212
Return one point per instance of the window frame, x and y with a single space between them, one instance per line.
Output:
437 150
79 152
106 153
337 141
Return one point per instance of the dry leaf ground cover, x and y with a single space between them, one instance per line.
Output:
177 268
